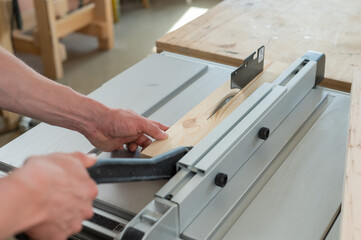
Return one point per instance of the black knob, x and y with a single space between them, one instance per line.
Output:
263 133
221 180
169 197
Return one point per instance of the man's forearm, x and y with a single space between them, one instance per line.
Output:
24 91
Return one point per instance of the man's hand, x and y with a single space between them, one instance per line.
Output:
121 127
62 190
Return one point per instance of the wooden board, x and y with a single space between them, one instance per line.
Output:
231 30
351 204
197 123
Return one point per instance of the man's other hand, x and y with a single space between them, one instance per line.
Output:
63 191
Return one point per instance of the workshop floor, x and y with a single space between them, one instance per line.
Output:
87 68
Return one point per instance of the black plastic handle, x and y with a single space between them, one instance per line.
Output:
112 170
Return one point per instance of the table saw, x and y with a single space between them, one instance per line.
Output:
273 169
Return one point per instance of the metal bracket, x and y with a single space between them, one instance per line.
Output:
250 68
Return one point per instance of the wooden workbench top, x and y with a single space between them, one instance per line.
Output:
231 30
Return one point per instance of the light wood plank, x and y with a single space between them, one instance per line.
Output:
75 20
25 43
229 31
351 204
197 123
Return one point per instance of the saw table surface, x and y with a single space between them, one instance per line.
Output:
230 30
197 80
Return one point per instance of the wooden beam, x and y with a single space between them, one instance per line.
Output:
75 20
61 47
25 43
104 13
61 8
351 204
5 32
62 51
197 123
48 40
337 85
96 29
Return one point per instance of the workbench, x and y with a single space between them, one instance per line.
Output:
229 30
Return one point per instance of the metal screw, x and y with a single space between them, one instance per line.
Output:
296 71
305 62
263 133
221 180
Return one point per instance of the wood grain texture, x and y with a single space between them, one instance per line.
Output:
231 30
351 204
198 122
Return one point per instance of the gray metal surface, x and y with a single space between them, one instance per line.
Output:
193 189
300 200
246 183
234 149
300 188
334 233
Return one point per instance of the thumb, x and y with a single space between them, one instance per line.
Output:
153 130
88 160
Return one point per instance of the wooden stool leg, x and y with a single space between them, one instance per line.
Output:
146 3
48 41
104 13
5 31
